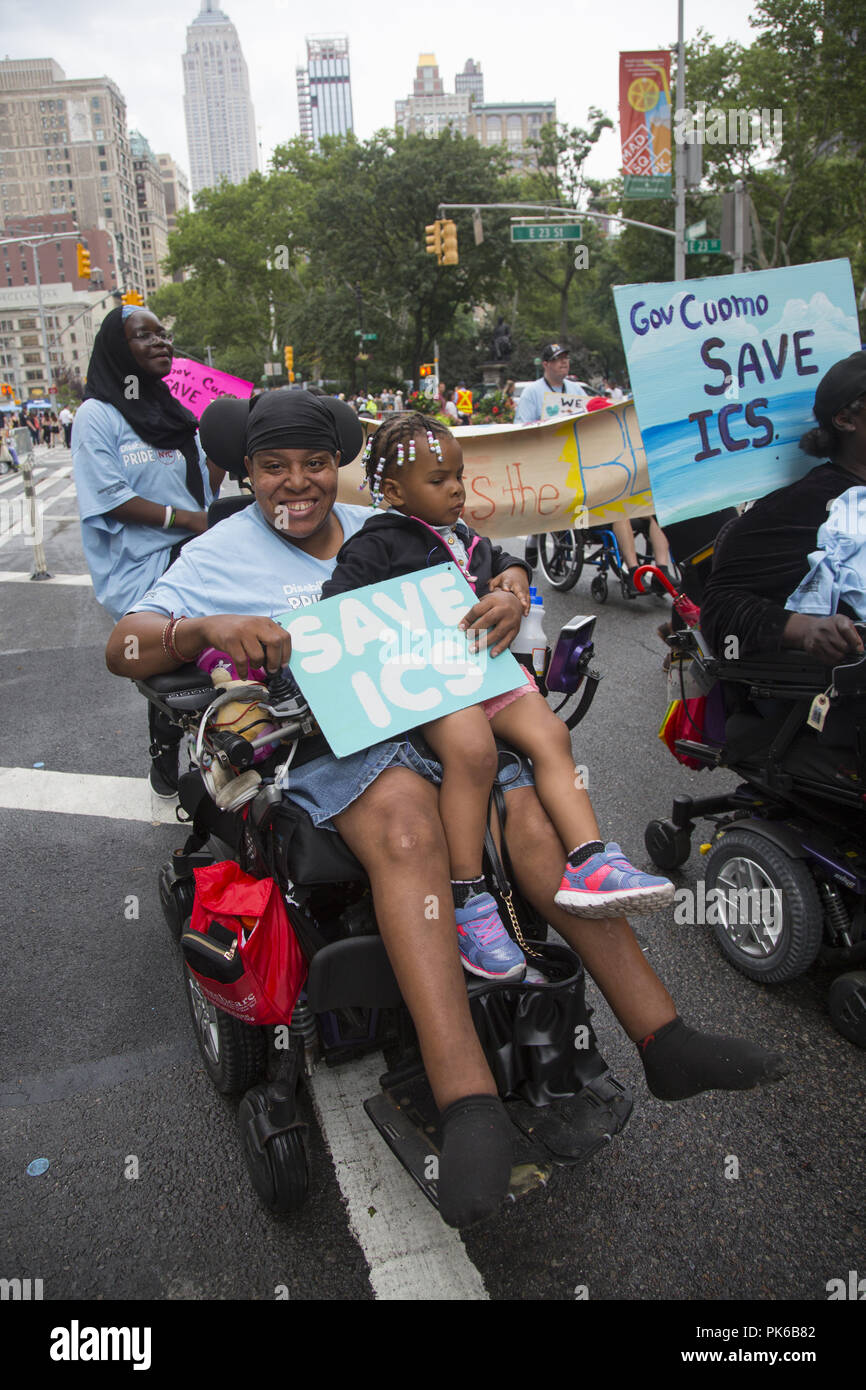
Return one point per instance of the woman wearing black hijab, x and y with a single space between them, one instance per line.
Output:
140 472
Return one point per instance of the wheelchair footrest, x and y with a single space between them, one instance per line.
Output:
570 1131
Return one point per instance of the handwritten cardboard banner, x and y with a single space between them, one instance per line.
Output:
724 372
577 470
388 657
196 385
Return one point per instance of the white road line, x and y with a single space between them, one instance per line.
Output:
82 794
69 491
411 1253
21 577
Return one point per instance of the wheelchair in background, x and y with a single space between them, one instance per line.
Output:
786 858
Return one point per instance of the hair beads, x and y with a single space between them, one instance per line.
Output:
392 446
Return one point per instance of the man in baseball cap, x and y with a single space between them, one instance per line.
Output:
555 364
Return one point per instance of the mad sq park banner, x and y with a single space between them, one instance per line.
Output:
572 470
724 372
645 123
196 385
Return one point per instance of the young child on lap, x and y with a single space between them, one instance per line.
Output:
416 465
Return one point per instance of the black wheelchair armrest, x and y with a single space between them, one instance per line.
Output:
222 507
785 675
182 691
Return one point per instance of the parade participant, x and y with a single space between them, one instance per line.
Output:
416 466
383 802
141 476
763 556
555 377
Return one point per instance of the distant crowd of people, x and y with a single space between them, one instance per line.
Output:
45 426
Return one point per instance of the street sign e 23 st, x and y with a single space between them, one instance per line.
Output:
546 231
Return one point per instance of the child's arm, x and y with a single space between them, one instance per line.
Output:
364 558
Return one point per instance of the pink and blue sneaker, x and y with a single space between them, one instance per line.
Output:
485 947
607 883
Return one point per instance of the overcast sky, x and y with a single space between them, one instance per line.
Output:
565 51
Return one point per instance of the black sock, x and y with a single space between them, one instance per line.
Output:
680 1062
474 1160
466 888
583 852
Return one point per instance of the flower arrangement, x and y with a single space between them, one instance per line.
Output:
494 409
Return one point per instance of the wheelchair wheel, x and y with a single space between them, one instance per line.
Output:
667 845
234 1053
560 554
772 937
598 588
847 1001
280 1174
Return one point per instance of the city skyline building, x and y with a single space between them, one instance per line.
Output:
325 89
64 148
470 82
176 189
511 125
152 220
430 109
220 119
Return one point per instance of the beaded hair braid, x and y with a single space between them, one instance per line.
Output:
393 444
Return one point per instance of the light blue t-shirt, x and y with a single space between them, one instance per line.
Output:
111 465
530 406
244 566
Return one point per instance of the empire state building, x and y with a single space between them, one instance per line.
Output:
220 123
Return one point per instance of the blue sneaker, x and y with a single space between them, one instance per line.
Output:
608 883
485 947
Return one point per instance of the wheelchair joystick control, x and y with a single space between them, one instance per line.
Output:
283 687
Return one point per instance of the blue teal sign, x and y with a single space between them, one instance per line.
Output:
724 372
389 657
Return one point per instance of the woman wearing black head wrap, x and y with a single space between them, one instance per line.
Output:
141 475
224 592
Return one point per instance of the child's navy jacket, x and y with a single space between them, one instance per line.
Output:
391 544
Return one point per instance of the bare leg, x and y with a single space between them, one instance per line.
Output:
464 746
659 542
625 540
530 725
395 831
608 949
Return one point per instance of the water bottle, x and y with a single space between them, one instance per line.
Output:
530 644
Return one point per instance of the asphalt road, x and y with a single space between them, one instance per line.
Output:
99 1062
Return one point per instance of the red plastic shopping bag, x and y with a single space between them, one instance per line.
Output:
241 947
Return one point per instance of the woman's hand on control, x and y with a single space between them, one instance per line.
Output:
248 641
500 613
832 640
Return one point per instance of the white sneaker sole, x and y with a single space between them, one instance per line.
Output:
606 905
515 973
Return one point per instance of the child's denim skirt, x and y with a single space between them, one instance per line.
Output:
326 786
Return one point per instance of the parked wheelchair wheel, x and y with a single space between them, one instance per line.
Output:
847 1001
560 554
667 845
234 1053
598 589
768 919
175 899
280 1172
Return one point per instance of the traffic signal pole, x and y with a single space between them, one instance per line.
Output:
547 207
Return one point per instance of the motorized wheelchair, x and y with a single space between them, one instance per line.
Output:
787 854
536 1034
562 556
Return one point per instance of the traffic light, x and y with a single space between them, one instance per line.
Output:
449 243
426 369
434 240
132 297
83 256
289 358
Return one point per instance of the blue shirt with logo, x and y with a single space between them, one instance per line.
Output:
244 566
111 465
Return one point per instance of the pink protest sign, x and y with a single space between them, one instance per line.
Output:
196 385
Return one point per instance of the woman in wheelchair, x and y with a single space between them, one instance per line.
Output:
384 802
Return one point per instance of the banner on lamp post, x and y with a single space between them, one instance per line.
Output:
645 123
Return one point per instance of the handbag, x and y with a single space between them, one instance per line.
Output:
241 947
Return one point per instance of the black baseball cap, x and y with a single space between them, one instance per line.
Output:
554 350
845 381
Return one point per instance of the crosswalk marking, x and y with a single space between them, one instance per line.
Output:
23 577
82 794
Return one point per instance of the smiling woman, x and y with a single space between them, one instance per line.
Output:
141 476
